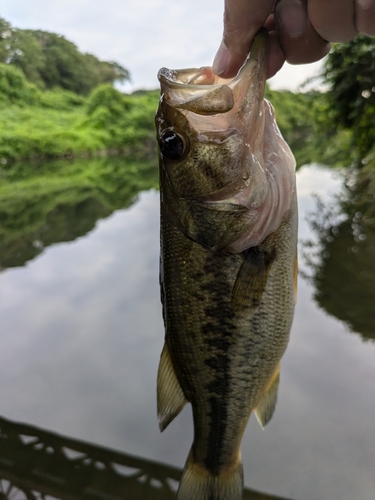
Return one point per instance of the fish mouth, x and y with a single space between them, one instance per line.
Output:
235 128
217 107
201 92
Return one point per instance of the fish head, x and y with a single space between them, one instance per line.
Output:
211 134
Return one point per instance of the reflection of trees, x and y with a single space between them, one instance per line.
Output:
344 265
61 200
35 464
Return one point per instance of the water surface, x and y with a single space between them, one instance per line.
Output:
81 334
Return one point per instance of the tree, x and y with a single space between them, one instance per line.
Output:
50 60
350 73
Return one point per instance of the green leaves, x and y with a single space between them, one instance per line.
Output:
127 119
50 60
350 73
14 87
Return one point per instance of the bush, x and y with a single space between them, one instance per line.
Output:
14 87
127 119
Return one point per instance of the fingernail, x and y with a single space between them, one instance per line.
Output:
292 16
221 60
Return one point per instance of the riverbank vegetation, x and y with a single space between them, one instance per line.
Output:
59 123
58 102
42 123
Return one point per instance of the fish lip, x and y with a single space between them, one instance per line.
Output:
180 86
192 78
179 78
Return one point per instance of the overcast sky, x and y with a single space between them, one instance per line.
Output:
141 35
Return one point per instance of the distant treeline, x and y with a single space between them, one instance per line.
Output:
58 123
54 123
51 61
56 101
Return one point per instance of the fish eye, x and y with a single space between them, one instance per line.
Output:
172 145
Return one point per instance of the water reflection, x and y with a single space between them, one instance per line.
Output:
42 204
35 463
81 334
343 260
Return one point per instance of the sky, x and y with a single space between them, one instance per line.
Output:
142 36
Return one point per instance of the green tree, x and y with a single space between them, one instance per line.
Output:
50 60
350 102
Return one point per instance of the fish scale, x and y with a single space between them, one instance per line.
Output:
227 304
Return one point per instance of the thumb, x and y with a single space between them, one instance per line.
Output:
242 20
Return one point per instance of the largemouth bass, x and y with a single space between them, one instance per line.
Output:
228 263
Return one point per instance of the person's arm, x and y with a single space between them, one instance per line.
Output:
300 30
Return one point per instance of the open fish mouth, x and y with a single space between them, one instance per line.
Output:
230 151
204 93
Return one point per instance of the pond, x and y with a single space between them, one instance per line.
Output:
81 334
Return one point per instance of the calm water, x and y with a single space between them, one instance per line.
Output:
81 334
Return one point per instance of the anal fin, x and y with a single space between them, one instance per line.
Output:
267 404
170 396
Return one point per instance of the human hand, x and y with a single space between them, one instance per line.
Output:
300 30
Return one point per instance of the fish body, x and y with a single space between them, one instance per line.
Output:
228 263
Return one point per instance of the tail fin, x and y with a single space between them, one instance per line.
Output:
197 483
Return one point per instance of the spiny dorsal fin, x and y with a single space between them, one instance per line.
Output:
267 404
252 278
219 100
170 396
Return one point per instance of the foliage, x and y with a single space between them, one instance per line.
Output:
350 102
127 119
56 123
59 123
33 131
14 87
51 61
45 113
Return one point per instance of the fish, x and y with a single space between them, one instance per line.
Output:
228 263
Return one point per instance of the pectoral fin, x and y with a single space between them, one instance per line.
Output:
252 278
267 404
170 396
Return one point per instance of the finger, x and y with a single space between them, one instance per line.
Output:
365 16
276 56
242 20
333 20
298 39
